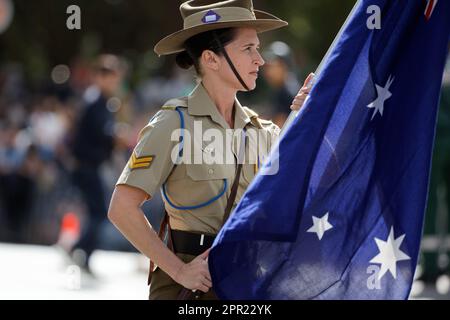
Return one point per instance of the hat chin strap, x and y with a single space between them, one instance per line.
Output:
230 63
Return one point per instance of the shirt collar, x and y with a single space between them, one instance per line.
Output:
201 104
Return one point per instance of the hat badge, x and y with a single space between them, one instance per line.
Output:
211 17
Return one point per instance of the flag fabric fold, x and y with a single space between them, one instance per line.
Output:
343 216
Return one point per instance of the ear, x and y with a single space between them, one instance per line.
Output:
210 60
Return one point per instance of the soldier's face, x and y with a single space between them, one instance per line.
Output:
244 53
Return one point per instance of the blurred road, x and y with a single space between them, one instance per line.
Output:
39 272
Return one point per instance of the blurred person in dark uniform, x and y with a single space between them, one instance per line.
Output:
17 190
93 144
279 73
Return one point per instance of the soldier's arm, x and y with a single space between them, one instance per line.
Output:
126 214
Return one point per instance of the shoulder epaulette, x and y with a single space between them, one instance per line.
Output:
174 103
255 119
250 113
168 107
265 122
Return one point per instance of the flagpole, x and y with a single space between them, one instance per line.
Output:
294 113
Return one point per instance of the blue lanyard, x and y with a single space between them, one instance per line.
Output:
180 155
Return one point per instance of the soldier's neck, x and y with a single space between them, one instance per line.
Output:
223 97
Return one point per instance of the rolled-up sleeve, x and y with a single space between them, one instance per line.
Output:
151 161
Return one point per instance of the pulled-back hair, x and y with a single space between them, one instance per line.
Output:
203 41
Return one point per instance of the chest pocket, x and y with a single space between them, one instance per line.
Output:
204 172
197 173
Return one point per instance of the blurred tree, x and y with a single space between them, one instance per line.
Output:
38 37
313 26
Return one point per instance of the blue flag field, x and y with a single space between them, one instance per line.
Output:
343 216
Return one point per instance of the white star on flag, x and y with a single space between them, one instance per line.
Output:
390 254
383 95
320 225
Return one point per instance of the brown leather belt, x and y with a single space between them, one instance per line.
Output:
192 243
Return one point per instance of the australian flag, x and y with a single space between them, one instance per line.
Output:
343 217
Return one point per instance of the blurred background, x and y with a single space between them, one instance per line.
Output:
51 76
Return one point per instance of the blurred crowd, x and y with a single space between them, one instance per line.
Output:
52 147
41 142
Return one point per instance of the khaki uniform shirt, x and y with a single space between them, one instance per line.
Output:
190 184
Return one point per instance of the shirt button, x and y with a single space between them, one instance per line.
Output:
211 171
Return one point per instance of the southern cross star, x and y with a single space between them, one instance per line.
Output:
383 95
320 225
390 254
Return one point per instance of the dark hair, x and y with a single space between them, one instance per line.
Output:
195 46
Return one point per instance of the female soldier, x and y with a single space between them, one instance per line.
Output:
220 40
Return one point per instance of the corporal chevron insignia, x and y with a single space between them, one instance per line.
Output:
140 162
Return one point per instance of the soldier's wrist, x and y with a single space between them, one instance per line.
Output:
178 271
